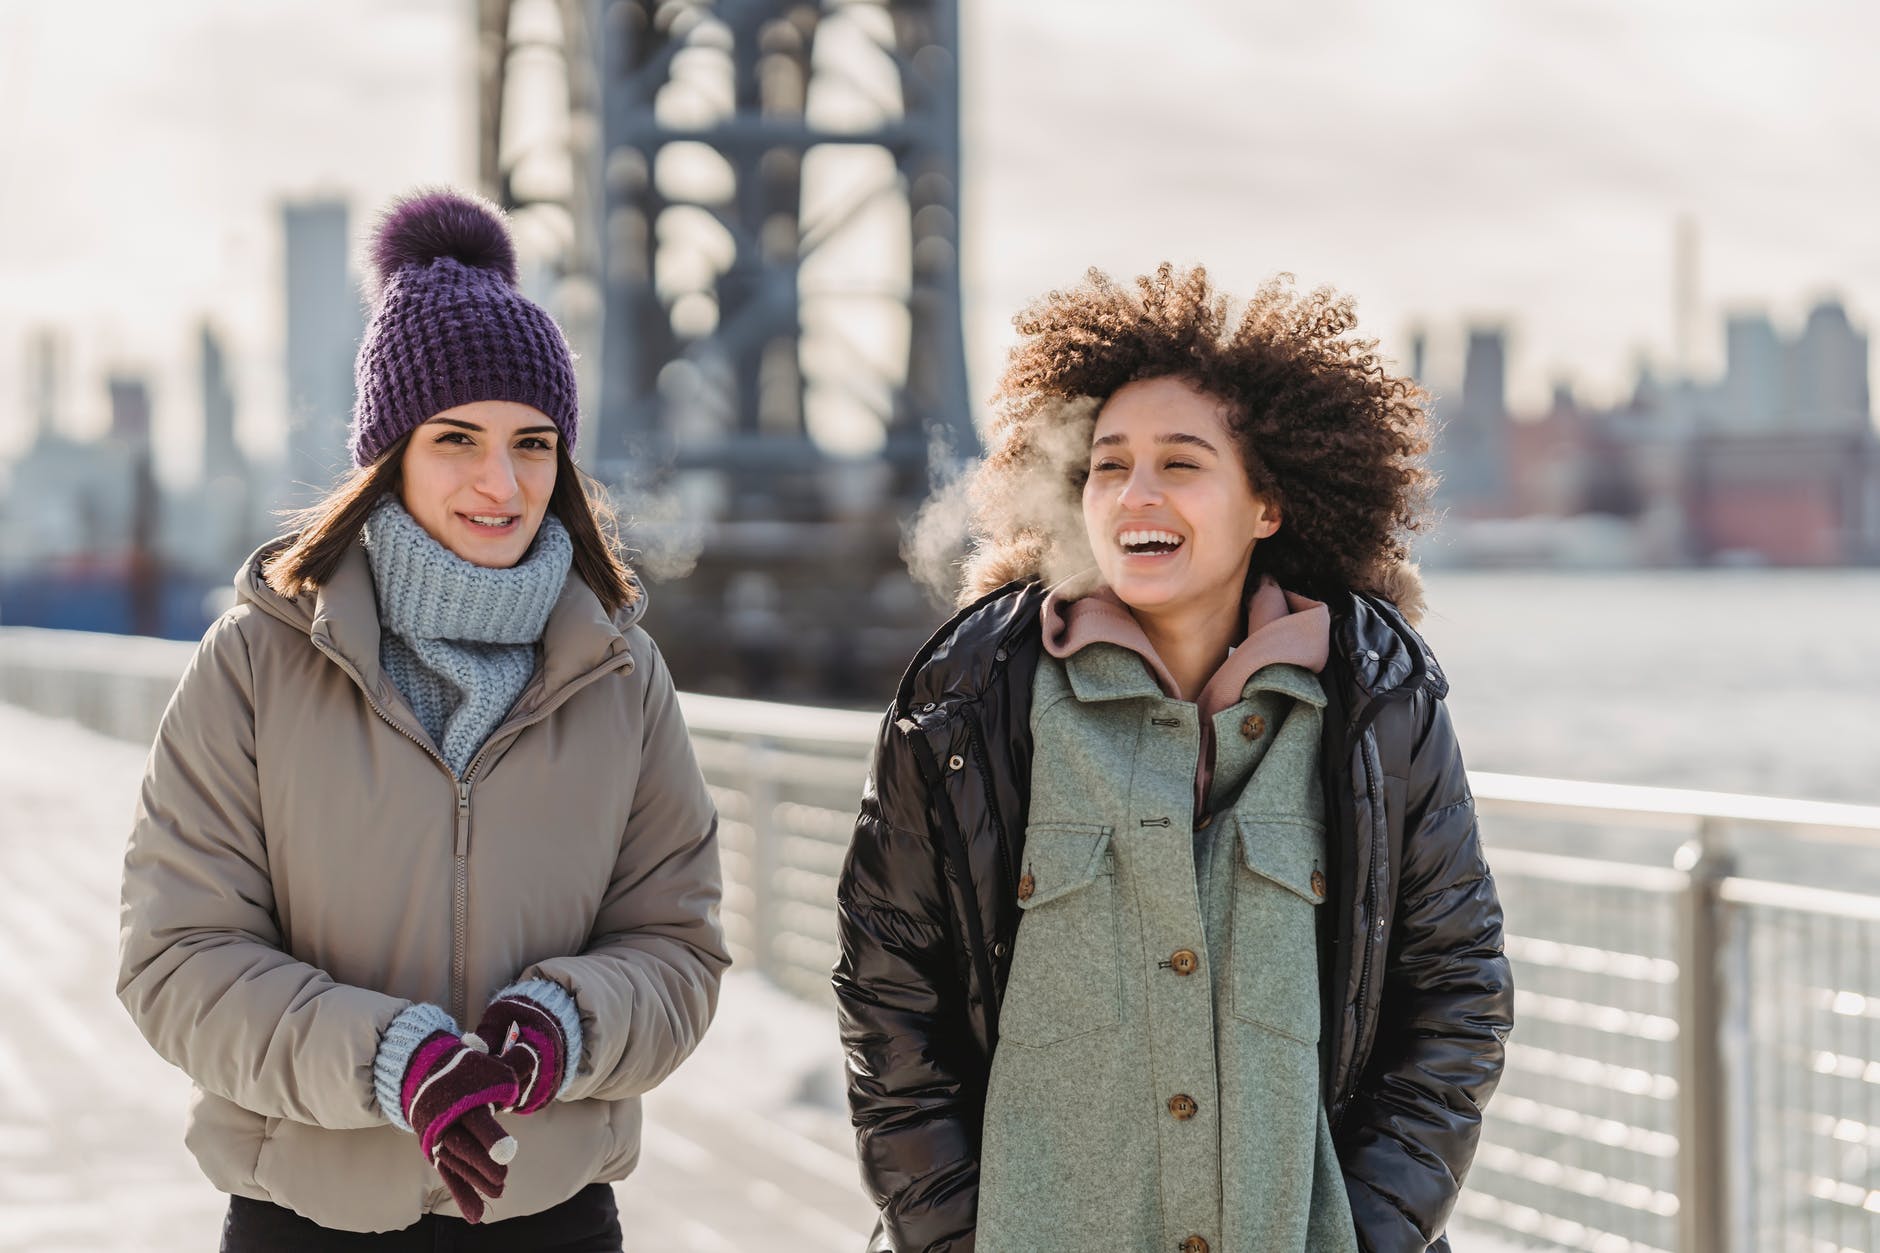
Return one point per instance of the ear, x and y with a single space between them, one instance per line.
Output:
1268 522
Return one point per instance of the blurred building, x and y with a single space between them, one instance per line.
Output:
221 455
1755 380
1777 462
324 323
68 502
79 527
212 524
43 371
1471 453
1827 374
90 540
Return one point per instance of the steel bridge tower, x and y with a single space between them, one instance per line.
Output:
755 205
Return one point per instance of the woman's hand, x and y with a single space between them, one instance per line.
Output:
472 1158
528 1026
449 1096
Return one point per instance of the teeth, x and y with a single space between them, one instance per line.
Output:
493 519
1131 539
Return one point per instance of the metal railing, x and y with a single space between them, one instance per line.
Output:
1696 1056
1695 1064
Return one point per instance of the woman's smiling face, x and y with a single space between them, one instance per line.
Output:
478 478
1168 509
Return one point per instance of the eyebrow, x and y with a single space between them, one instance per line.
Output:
471 426
1117 437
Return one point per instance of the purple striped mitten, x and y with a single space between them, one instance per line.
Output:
446 1090
535 1030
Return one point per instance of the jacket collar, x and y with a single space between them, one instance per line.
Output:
1281 627
342 618
1374 650
1104 671
972 648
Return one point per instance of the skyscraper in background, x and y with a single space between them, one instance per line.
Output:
323 327
130 426
130 409
221 455
1828 373
1471 453
1755 374
218 526
43 353
1813 383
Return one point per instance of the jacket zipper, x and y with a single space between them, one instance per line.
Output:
460 905
1361 727
978 742
461 869
460 910
460 892
1370 924
954 844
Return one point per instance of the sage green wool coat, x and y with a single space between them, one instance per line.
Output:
1132 1106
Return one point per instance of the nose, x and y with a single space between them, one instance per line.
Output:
1140 490
496 477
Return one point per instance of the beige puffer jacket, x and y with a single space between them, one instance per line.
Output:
304 865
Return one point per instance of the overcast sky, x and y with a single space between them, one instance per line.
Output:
1447 161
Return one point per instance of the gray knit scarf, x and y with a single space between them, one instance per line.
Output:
458 638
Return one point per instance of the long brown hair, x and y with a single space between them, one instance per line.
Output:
323 532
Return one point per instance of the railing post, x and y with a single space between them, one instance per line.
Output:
765 854
1703 1173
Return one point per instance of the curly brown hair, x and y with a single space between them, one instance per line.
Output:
1325 432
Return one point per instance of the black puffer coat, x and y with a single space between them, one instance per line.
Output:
1417 996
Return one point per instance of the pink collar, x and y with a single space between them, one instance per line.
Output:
1282 626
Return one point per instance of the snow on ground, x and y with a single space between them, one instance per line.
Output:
91 1146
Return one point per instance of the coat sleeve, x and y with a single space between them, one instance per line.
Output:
901 1010
1411 1130
201 966
646 985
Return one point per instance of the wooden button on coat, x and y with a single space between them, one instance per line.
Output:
1194 1244
1183 961
1026 886
1183 1107
1252 727
1318 883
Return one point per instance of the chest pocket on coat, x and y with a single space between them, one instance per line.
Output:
1065 981
1279 885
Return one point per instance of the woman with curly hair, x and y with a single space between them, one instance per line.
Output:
1166 925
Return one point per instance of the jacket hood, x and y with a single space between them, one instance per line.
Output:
343 616
1375 644
1401 583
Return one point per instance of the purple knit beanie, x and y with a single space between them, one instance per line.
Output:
449 326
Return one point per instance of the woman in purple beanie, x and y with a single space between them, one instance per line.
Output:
423 886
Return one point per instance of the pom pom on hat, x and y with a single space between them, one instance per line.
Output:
420 228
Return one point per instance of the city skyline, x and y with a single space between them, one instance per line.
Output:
126 286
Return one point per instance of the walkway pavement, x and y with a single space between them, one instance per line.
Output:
746 1148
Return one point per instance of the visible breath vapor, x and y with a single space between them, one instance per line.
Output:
663 538
1029 486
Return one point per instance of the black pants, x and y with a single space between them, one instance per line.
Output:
586 1222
